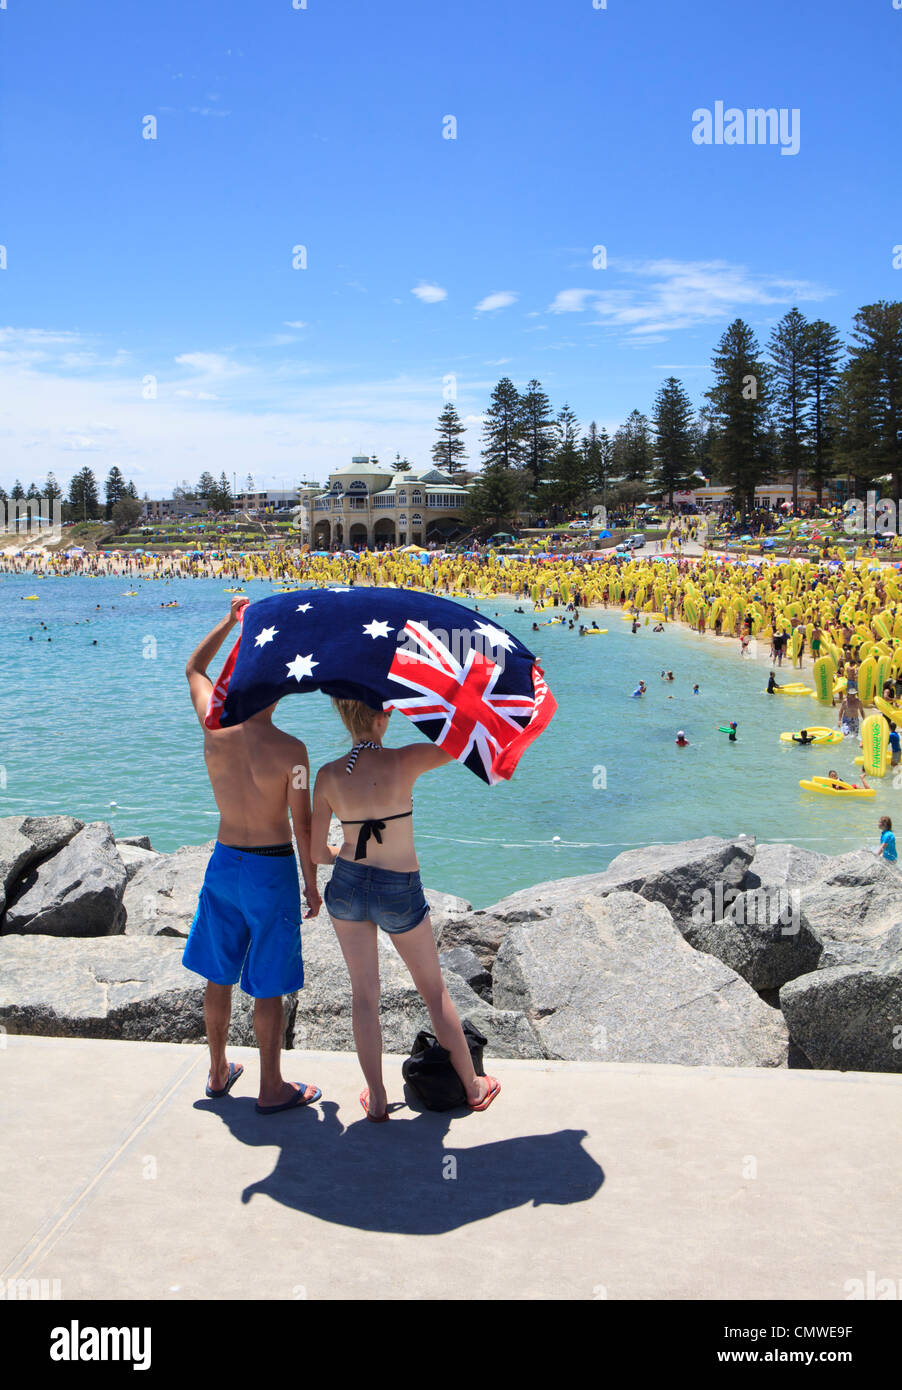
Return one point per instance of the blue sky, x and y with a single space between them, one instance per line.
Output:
428 259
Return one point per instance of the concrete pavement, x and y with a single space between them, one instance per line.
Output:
582 1181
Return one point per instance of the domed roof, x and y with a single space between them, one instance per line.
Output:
360 470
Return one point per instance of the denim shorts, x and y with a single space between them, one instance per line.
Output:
394 901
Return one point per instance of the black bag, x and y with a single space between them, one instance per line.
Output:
430 1075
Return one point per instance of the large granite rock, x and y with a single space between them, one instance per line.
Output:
25 840
470 968
674 875
848 1018
859 897
785 866
16 852
121 987
135 857
877 950
764 937
480 932
323 1019
138 841
611 978
161 898
76 892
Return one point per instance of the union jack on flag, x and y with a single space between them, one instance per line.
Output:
468 685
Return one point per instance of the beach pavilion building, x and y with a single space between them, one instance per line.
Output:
366 506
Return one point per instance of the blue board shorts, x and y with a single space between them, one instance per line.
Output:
394 901
247 926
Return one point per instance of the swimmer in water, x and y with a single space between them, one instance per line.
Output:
681 740
695 690
640 690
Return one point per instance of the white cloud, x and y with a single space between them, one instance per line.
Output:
429 294
570 301
209 363
295 323
651 299
501 299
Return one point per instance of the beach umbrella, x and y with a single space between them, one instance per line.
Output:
602 534
468 685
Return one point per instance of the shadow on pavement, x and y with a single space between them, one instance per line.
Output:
400 1177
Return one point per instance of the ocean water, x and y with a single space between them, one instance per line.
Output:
109 733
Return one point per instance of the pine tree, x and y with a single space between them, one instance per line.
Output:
83 496
632 450
537 430
114 488
824 353
401 465
673 438
33 495
789 351
206 486
495 498
703 434
221 501
503 446
449 452
18 492
52 489
568 463
873 390
596 449
739 399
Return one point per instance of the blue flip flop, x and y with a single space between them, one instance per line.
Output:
295 1104
235 1070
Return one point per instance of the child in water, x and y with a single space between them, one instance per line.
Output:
887 848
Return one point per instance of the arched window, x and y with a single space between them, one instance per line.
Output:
416 519
402 497
417 499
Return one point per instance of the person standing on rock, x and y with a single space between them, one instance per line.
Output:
247 923
376 883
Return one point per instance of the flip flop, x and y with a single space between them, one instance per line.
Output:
235 1070
295 1104
491 1093
365 1102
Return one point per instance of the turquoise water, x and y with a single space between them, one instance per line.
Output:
108 733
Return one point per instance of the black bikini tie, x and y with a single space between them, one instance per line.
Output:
374 828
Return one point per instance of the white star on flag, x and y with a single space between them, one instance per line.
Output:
265 635
302 607
301 666
496 635
377 629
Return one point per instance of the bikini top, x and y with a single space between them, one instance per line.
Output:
373 826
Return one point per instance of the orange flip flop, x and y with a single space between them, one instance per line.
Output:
491 1093
365 1102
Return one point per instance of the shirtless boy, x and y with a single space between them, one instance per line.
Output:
247 924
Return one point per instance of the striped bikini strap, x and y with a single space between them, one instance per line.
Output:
355 753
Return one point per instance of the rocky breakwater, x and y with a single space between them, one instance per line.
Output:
712 951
